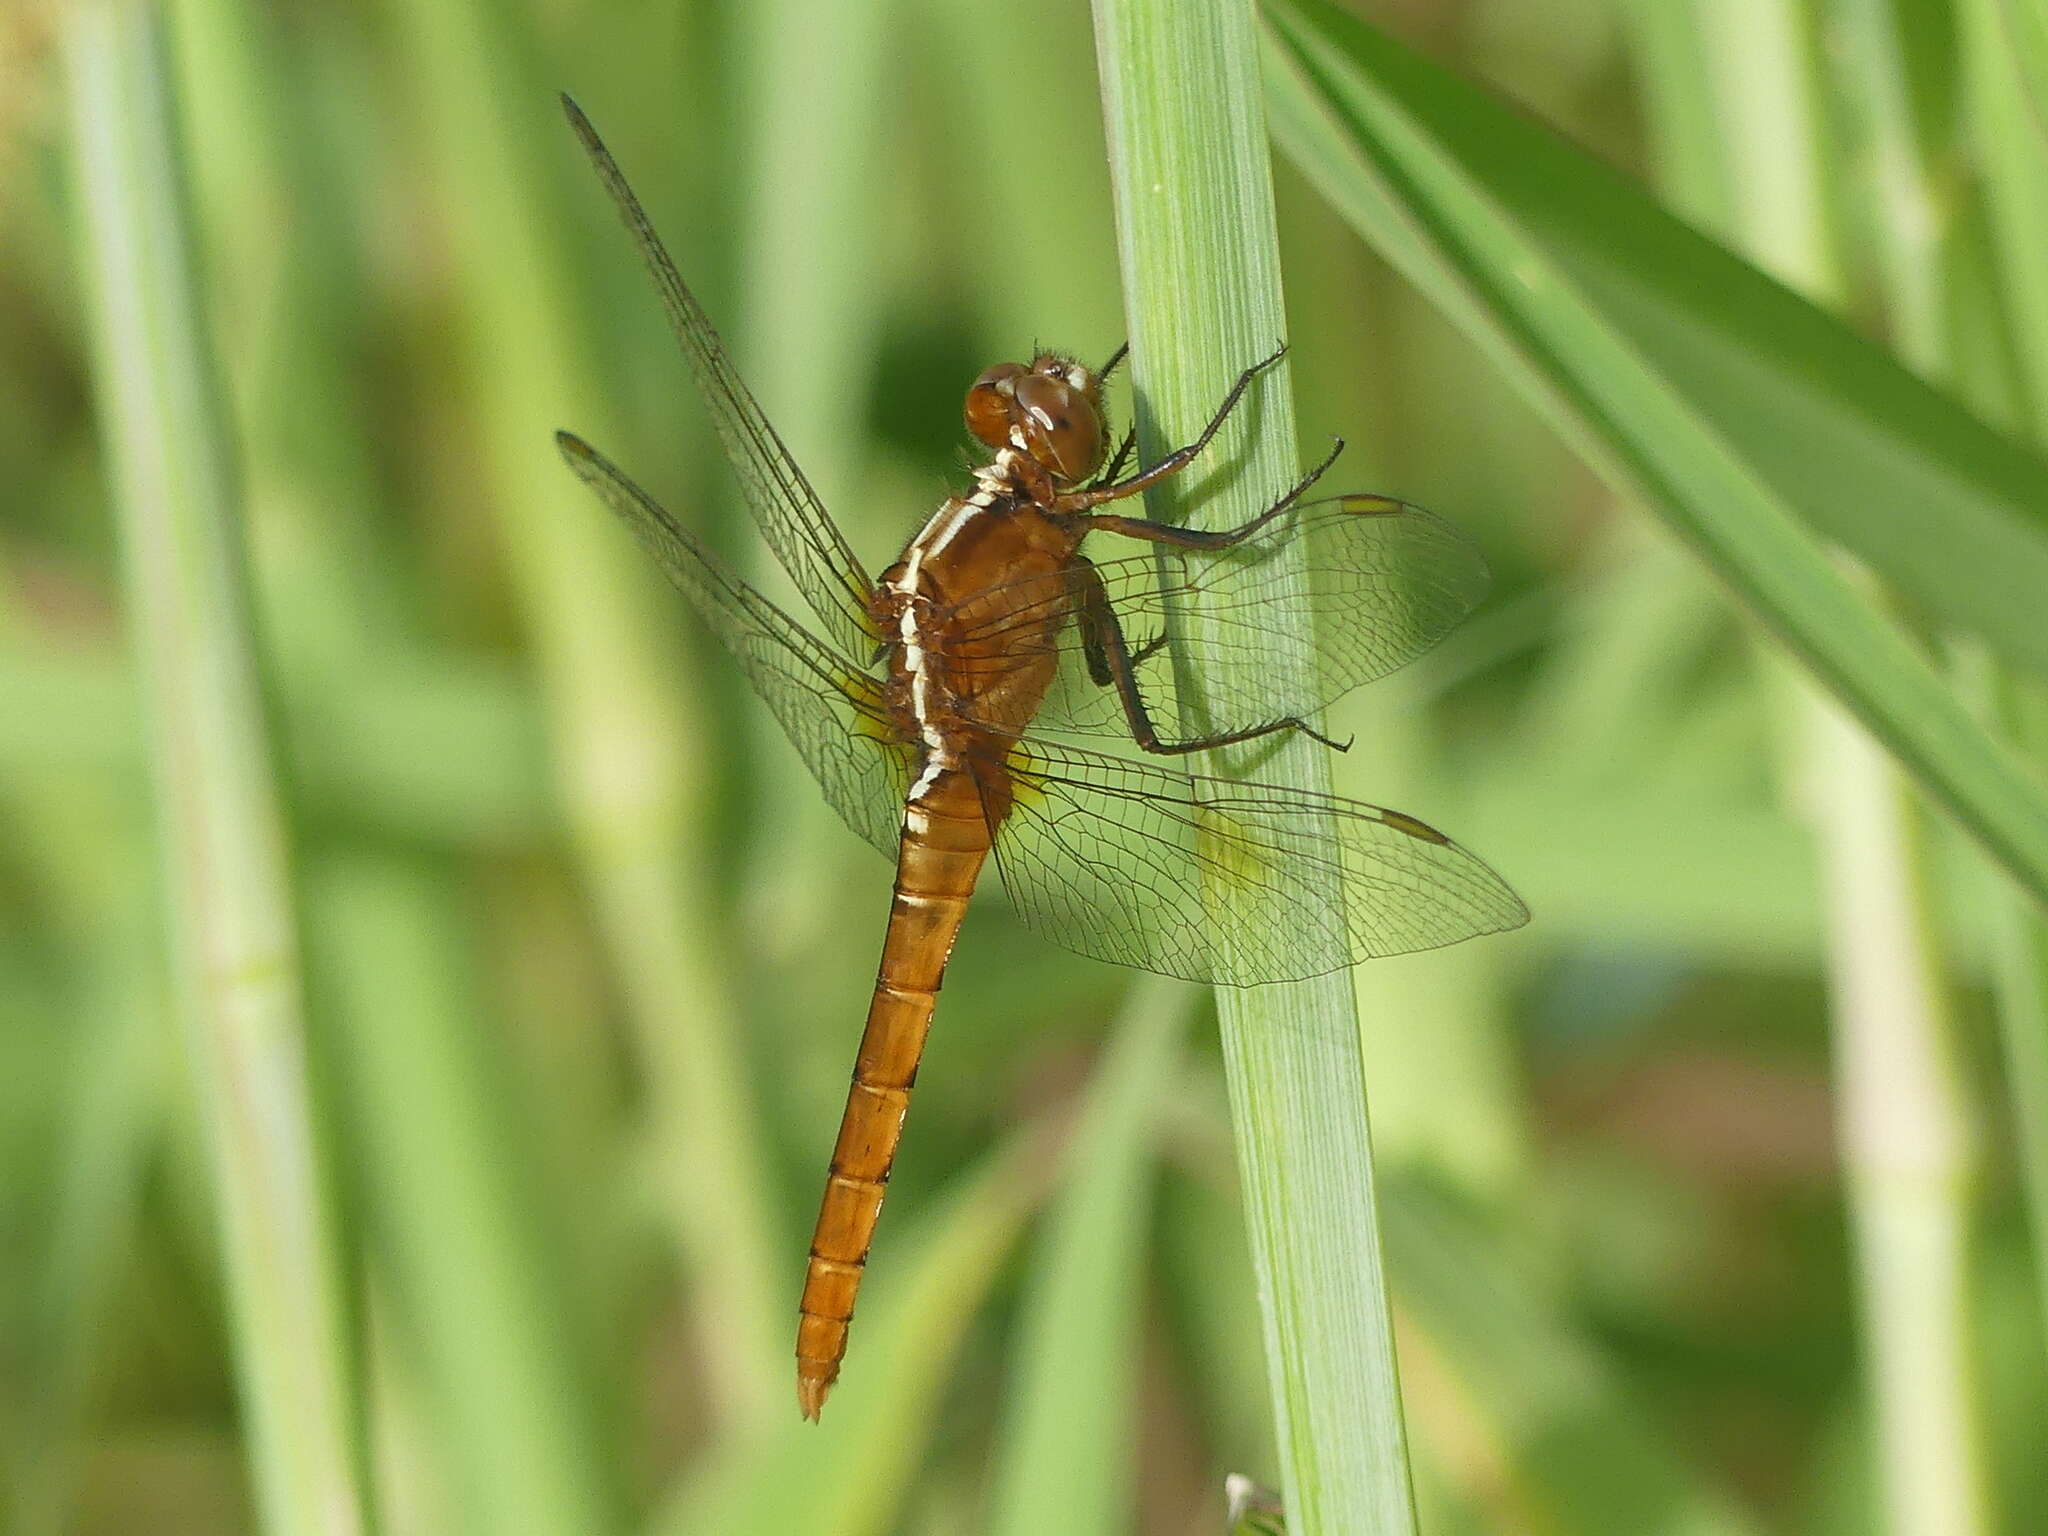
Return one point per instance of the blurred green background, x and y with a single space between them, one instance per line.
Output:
587 956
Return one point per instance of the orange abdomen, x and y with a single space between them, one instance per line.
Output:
946 838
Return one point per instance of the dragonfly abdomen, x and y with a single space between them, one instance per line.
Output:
945 841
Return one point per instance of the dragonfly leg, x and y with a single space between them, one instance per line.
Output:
1111 663
1149 649
1180 458
1123 453
1196 538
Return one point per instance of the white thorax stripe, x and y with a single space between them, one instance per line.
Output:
938 756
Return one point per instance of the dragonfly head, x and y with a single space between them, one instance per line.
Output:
1051 410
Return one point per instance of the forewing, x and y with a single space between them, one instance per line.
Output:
791 517
1216 881
827 704
1385 581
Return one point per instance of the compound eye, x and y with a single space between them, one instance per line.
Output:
990 404
1063 428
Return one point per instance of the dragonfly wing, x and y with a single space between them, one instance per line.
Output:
1238 884
829 706
1384 582
791 517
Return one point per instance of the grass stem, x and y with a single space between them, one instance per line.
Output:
1192 179
220 806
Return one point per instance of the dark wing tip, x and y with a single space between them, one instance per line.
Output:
581 124
577 453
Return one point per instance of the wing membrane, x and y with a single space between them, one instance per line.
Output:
1229 883
1385 581
791 517
828 706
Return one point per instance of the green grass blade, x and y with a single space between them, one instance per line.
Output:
2021 958
1903 1125
1947 511
630 751
1068 1460
1573 1453
1671 57
850 1474
1357 114
2009 145
478 1286
443 747
2023 34
220 809
1200 268
83 839
1905 1119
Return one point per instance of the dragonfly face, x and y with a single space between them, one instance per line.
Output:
1001 643
1051 411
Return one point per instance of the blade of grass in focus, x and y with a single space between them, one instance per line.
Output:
1357 114
1067 1458
220 810
1199 254
1439 1052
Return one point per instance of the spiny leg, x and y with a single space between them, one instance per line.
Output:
1116 464
1110 663
1196 538
1180 458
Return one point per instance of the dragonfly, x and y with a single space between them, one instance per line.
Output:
950 709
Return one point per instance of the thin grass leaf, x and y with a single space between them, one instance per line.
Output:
850 1475
1903 1125
1436 1030
2020 956
84 837
1572 1452
1200 266
220 807
1947 511
629 753
446 749
1683 127
1906 1122
2009 145
1365 121
2023 34
513 1412
2012 158
1066 1461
